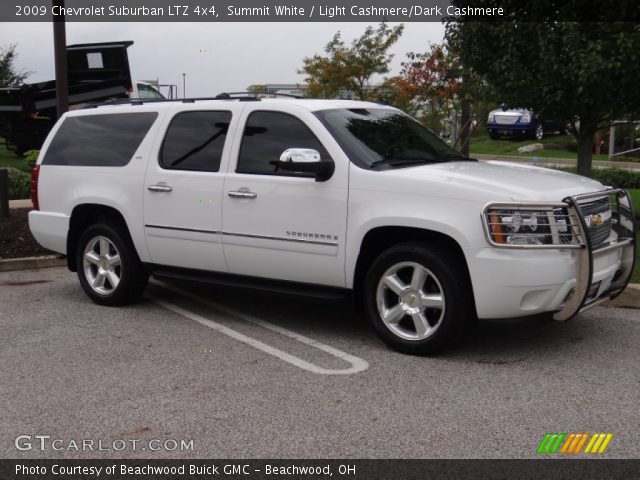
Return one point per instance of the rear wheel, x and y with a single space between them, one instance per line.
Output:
417 298
109 269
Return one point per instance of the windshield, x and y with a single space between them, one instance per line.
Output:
380 138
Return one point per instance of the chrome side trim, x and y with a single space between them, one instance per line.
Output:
245 235
180 229
284 239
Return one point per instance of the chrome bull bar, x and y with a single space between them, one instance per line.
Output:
581 296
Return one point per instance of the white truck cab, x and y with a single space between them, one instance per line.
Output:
324 196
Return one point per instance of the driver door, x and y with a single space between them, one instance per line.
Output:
278 224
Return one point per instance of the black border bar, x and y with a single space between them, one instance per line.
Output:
232 469
321 10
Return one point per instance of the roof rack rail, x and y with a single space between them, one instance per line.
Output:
240 96
145 101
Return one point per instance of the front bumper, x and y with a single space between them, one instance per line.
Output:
591 262
510 128
513 280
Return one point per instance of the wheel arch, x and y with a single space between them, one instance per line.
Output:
379 239
84 215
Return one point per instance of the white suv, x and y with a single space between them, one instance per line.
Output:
324 197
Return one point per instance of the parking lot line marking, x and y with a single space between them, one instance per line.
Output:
357 364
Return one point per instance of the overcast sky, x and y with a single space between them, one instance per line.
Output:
216 57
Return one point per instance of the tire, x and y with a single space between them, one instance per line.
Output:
495 136
109 268
538 133
414 283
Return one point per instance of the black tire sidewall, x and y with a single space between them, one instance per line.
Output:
132 279
447 270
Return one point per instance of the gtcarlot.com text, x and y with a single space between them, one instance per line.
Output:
28 442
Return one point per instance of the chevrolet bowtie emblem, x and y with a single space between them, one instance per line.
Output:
596 220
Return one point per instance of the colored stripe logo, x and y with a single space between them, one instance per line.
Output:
572 443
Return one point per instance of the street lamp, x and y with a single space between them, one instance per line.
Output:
184 85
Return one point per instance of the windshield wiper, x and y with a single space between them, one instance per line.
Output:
398 161
453 158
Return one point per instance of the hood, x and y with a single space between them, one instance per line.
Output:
510 111
495 181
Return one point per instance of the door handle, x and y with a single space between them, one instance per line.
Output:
160 188
242 194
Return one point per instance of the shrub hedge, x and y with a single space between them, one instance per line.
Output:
19 185
613 177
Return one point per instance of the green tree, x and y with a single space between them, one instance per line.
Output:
9 76
586 73
257 89
350 68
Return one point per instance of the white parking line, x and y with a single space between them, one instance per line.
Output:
357 364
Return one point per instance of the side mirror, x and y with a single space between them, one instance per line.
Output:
303 155
305 160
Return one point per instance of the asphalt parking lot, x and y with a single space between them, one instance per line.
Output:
239 374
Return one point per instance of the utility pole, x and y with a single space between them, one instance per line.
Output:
184 85
60 55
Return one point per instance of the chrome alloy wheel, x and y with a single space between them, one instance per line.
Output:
102 265
539 132
410 301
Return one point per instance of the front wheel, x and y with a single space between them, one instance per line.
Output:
417 297
109 269
538 133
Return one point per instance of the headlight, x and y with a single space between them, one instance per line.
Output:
492 118
525 118
530 226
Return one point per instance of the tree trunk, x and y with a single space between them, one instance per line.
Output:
585 148
360 89
465 132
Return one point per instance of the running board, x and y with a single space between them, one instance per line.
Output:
320 292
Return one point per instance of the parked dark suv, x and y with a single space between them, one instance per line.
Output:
520 122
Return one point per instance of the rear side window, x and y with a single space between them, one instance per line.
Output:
108 140
195 141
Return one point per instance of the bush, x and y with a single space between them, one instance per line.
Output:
19 185
31 157
617 177
572 146
612 177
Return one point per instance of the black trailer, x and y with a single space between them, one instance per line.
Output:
97 72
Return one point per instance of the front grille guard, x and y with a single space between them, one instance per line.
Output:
623 224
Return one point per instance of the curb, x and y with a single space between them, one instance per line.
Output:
25 203
551 161
32 263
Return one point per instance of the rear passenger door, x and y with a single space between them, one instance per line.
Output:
183 190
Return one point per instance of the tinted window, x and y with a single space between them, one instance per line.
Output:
384 138
195 141
99 140
267 135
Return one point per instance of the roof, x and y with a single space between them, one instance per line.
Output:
305 103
